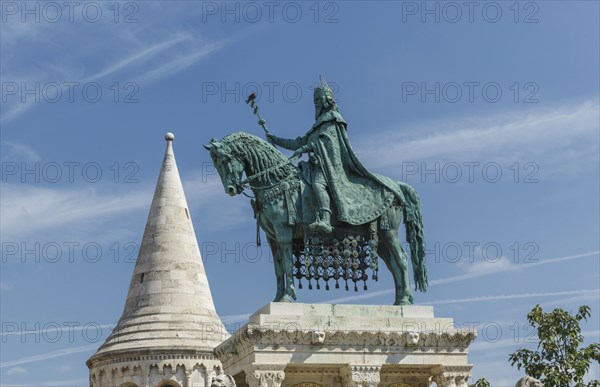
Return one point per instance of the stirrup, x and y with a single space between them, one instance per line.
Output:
321 226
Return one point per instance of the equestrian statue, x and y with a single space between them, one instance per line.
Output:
328 218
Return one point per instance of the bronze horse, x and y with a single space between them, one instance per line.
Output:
276 184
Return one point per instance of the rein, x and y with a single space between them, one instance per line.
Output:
259 174
246 182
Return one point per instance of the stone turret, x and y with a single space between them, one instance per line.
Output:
169 327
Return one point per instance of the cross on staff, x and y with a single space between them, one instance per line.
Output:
252 101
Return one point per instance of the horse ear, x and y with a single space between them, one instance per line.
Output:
214 143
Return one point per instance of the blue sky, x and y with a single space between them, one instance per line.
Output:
490 112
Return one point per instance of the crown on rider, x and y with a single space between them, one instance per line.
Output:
323 90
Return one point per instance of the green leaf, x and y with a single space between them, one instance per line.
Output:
558 360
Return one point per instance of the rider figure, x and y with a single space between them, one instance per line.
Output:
317 142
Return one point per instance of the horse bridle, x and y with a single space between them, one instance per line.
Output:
246 182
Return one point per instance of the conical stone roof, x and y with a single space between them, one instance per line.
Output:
169 305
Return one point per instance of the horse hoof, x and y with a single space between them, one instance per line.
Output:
286 298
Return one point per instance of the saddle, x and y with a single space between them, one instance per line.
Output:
347 254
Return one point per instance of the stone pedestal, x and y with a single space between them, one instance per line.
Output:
320 345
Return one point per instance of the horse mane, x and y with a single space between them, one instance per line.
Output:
258 155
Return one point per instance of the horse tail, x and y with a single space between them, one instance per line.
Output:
413 222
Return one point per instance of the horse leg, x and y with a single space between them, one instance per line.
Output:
385 256
398 265
277 262
284 240
407 298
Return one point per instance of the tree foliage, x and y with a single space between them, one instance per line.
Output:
558 361
480 383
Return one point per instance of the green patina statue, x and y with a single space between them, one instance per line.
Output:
329 218
358 194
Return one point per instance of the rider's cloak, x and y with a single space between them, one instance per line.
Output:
360 196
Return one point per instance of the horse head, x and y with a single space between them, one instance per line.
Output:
229 167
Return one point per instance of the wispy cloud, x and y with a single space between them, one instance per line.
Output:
15 110
49 355
139 57
577 299
484 270
137 52
585 292
179 63
39 211
514 296
53 383
559 134
65 368
16 371
508 343
28 210
54 330
17 152
6 285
